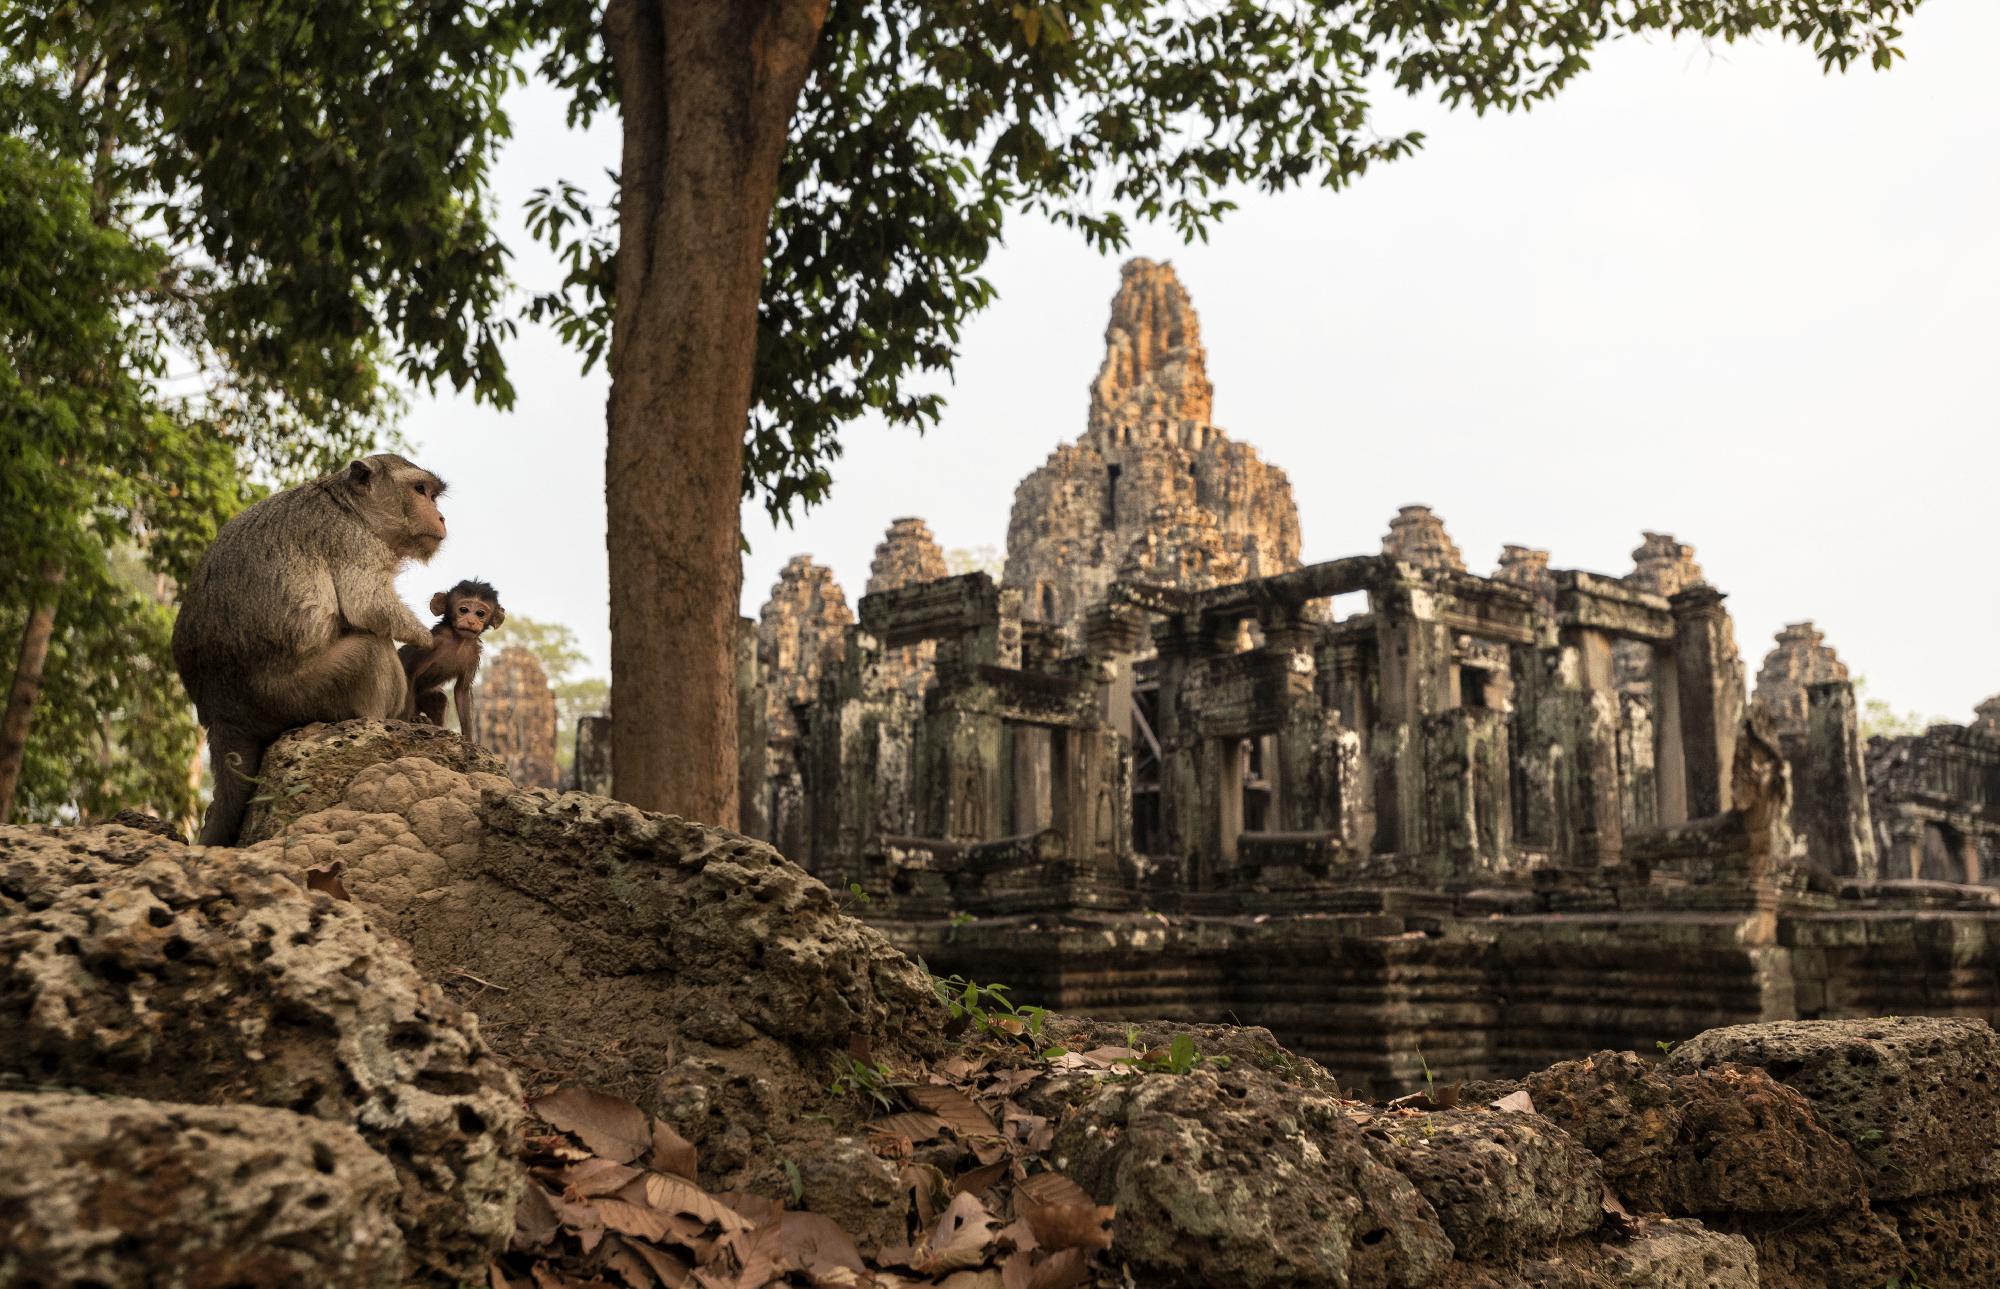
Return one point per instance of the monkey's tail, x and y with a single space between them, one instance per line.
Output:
234 759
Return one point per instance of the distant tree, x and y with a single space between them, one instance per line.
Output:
1878 718
806 195
975 559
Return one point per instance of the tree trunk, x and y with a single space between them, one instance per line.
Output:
26 689
707 89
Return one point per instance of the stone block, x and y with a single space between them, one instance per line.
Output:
114 1191
1707 1142
1503 1183
1918 1098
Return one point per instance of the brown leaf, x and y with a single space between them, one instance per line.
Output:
671 1269
627 1218
594 1177
1050 1188
917 1125
673 1195
756 1209
1109 1056
958 1067
1446 1098
622 1258
960 1239
1071 1226
1018 1235
327 881
976 1181
535 1220
671 1152
987 1279
583 1221
496 1278
1517 1101
926 1183
955 1108
611 1126
813 1243
1063 1270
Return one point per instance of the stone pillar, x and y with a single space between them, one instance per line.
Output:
1711 696
1670 798
516 717
753 736
593 755
1833 798
1592 738
1174 641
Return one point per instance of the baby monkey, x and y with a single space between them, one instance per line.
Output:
465 613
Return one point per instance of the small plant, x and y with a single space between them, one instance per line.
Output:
1665 1045
861 896
798 1182
1869 1135
1908 1280
955 921
1179 1056
871 1079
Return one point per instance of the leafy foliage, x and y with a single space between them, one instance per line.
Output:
104 492
924 125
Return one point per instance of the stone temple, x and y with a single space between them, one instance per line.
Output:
1482 823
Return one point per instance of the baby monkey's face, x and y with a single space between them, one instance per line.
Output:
471 616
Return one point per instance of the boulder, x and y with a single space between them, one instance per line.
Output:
1708 1142
1503 1183
688 968
135 966
1232 1178
1680 1255
112 1191
1916 1097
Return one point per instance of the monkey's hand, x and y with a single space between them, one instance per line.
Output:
410 629
370 603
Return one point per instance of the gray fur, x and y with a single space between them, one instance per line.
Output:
292 617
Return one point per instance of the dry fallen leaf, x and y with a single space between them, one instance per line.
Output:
917 1125
611 1126
955 1108
976 1181
1049 1188
671 1152
960 1239
668 1195
671 1268
987 1279
1070 1226
813 1243
535 1219
594 1177
926 1184
1517 1101
1063 1270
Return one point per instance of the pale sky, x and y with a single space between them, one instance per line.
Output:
1707 292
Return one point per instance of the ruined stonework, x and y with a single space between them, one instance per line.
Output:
800 635
1527 568
1801 658
1804 687
1151 471
515 712
1416 536
908 555
1664 566
1935 801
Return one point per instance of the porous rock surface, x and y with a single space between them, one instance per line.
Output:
1917 1097
135 966
115 1191
686 967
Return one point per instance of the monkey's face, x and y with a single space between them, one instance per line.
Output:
399 500
471 617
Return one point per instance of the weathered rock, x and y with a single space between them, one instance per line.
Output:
1714 1141
1916 1097
1681 1255
112 1191
844 1180
1229 1179
308 769
515 715
1503 1183
1855 1247
689 968
1950 1239
136 966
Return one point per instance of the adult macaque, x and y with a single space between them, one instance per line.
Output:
465 613
292 617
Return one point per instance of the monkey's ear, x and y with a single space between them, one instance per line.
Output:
359 473
499 616
439 603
